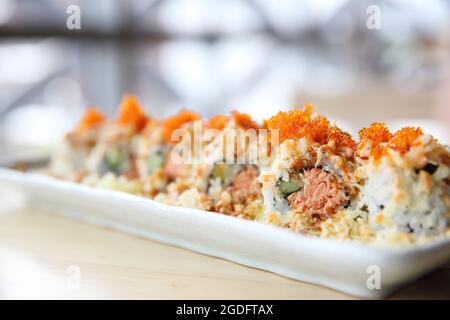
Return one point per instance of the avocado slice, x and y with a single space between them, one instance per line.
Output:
221 171
113 158
155 162
288 187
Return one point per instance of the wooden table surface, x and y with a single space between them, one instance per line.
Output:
45 256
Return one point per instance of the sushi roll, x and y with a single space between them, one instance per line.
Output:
184 172
112 162
68 160
232 176
152 152
405 183
311 177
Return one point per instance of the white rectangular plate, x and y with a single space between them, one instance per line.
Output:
342 265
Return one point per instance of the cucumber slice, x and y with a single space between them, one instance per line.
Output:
221 171
113 158
155 162
288 187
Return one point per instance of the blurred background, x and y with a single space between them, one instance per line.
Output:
212 56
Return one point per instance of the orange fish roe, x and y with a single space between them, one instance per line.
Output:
176 121
405 138
341 138
290 123
377 133
131 113
217 122
296 124
92 118
243 120
317 130
381 138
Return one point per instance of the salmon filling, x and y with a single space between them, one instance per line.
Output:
245 180
172 169
242 191
321 195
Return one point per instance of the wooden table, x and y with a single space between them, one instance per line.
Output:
47 256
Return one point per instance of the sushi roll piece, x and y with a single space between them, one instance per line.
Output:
311 177
68 160
232 181
184 120
152 152
112 162
405 183
185 184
